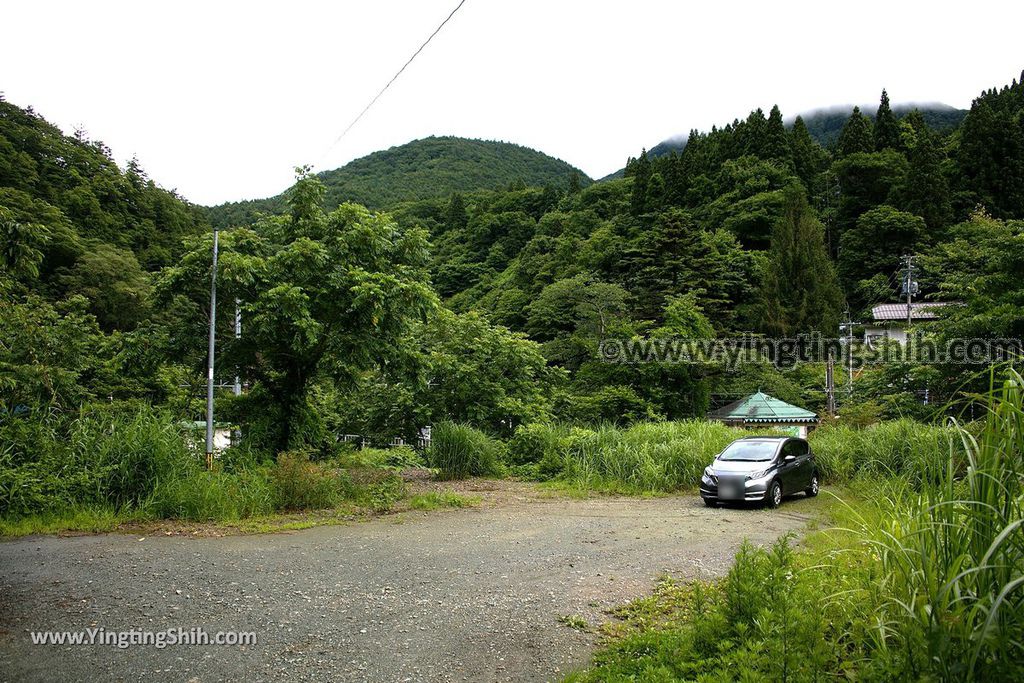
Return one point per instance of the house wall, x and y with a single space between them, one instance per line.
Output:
873 333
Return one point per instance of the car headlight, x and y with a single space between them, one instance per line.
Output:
758 475
709 475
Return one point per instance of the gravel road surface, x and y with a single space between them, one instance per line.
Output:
471 594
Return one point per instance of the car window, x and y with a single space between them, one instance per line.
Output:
753 451
795 448
802 448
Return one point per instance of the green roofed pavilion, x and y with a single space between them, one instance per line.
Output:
760 409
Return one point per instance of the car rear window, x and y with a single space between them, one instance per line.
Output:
753 451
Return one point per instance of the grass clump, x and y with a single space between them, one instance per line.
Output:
299 484
101 457
434 500
574 621
459 451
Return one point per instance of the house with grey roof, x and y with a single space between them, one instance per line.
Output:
889 321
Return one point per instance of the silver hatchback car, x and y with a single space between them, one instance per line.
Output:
760 469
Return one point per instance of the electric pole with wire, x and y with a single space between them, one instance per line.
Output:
209 360
910 287
847 327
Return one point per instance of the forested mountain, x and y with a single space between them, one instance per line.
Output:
824 125
753 227
75 223
431 167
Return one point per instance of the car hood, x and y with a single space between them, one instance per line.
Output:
739 466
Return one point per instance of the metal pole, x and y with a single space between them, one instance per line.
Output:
830 386
849 354
910 288
209 361
238 335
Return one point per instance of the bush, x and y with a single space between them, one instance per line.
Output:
531 443
459 451
396 457
299 484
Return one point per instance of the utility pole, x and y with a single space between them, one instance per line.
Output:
909 286
209 360
847 326
830 386
238 335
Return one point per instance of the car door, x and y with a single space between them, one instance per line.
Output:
788 471
802 476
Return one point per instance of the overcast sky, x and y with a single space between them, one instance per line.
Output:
221 100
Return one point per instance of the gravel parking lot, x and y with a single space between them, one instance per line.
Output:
471 594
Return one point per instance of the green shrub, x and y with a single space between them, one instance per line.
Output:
382 493
299 484
459 451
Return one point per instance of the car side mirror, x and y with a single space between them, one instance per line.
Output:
789 458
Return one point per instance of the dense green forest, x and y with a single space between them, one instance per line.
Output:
751 228
825 126
431 167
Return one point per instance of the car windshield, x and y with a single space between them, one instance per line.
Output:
752 451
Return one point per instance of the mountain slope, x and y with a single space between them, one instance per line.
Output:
431 167
825 124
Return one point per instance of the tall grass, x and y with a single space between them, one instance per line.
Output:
953 557
920 452
99 457
647 457
110 463
459 451
653 457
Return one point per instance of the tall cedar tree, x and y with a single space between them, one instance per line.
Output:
776 145
887 128
809 159
856 135
925 191
801 292
641 169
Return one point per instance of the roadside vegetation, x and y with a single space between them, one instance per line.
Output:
922 578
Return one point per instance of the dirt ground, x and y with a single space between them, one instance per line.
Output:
450 595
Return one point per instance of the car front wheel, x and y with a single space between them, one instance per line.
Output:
709 502
773 499
812 490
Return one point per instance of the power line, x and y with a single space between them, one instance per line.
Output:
393 79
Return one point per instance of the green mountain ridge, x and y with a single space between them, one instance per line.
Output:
825 123
421 169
